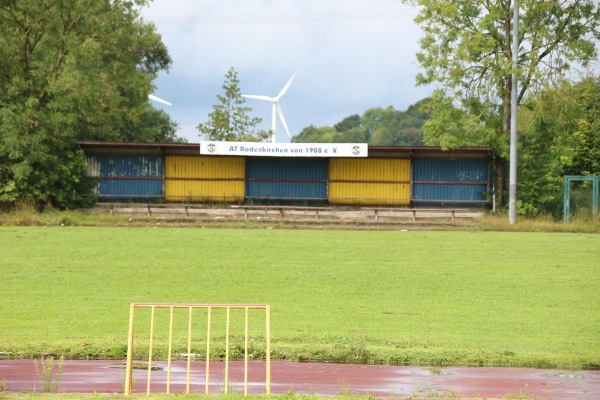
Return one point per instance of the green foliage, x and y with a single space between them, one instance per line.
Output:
451 127
230 121
348 123
377 126
468 303
559 135
467 47
585 139
71 70
44 370
153 126
389 127
312 134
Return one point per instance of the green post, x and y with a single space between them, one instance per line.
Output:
595 194
567 199
567 194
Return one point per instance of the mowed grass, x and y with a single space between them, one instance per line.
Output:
394 297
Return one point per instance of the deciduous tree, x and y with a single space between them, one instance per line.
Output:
377 126
69 70
467 46
560 135
229 120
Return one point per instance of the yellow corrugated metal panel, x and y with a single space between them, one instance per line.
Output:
204 167
369 181
369 193
202 190
367 169
199 178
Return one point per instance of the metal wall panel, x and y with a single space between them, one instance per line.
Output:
119 165
130 189
204 178
288 179
448 182
127 178
369 181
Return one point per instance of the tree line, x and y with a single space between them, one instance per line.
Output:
82 70
377 126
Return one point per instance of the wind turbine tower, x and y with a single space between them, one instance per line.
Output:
276 108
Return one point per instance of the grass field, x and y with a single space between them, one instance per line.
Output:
418 298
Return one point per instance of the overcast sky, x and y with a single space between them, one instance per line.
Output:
350 55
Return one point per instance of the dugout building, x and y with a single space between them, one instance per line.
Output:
389 176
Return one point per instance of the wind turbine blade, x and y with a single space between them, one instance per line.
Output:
158 99
287 85
281 117
251 96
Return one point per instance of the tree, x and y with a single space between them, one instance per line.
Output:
560 135
230 121
350 130
69 70
585 143
348 123
153 126
467 47
312 134
377 126
390 127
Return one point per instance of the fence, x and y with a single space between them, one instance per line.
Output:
191 307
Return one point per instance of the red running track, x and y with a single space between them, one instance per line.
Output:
310 378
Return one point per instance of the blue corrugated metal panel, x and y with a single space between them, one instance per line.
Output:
291 179
450 182
130 189
126 166
127 177
450 170
440 194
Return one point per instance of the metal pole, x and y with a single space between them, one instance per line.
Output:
226 385
268 349
208 350
595 194
129 371
189 351
150 350
246 353
169 357
512 188
566 199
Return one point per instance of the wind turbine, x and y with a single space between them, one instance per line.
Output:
276 108
158 99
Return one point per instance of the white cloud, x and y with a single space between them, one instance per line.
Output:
349 55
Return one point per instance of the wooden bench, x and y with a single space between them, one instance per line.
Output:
148 208
413 212
281 209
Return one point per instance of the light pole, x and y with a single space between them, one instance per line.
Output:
512 185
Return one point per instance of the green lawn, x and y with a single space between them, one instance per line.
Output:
419 298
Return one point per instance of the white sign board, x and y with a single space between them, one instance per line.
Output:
284 149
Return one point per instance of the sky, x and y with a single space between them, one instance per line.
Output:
349 55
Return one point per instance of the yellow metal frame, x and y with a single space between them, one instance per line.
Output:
191 307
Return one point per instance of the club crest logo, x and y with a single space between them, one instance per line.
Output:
211 147
356 150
